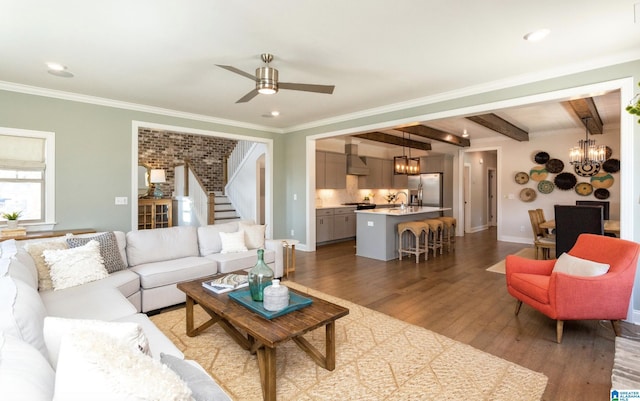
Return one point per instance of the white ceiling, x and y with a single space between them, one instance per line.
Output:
163 53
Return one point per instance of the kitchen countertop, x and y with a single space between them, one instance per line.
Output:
396 211
378 205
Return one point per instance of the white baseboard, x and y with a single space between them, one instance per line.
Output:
519 240
478 228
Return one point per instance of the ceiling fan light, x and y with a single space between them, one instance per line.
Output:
267 80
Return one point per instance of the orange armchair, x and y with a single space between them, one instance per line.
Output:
567 297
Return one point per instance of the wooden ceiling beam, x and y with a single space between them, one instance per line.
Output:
500 125
435 134
587 111
394 140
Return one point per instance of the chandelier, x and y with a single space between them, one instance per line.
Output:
403 165
587 153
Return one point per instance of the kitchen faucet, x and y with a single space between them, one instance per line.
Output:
406 199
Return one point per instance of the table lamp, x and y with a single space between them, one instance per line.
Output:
157 176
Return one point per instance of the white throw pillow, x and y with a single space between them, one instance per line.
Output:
253 235
55 328
94 366
233 242
75 266
579 267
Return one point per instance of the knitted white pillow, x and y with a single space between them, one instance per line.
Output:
75 266
233 242
94 366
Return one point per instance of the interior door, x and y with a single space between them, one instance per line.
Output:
492 202
466 189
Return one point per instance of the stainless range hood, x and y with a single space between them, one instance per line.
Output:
356 165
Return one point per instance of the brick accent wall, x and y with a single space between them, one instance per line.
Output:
166 149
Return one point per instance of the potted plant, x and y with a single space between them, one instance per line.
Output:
12 219
634 105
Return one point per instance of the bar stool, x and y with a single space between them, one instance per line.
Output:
449 235
433 238
409 234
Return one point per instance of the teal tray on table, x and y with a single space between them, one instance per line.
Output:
295 302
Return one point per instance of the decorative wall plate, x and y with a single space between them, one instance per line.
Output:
538 173
584 189
541 157
587 170
554 166
565 181
522 178
545 187
601 193
611 166
527 195
607 153
602 180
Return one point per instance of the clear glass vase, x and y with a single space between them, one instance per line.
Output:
260 276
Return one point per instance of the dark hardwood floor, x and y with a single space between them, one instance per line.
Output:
452 294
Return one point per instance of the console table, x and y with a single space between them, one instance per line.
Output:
49 234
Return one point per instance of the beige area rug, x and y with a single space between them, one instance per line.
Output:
529 253
377 358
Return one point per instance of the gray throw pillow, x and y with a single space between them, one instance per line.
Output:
108 250
203 387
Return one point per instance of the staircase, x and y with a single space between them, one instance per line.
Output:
223 210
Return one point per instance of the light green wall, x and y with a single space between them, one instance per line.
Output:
93 155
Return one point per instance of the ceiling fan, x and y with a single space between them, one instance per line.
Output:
266 80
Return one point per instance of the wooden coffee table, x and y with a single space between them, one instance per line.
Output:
263 335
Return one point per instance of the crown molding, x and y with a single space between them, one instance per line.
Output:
76 97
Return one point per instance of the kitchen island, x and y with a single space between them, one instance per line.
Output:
377 233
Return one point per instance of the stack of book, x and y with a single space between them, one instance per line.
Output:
226 283
13 232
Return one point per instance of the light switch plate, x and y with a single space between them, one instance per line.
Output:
370 223
121 200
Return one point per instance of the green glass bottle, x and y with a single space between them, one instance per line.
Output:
260 276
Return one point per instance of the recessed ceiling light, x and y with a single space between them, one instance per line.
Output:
537 35
275 113
56 66
58 70
465 134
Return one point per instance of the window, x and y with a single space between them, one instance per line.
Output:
27 175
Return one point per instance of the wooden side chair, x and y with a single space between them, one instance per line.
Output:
544 246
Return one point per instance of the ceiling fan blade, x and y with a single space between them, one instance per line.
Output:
307 87
237 71
248 96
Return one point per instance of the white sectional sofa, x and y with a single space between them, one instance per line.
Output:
155 261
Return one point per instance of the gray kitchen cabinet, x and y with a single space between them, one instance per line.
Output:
331 170
324 225
321 161
391 180
374 178
381 176
344 223
432 164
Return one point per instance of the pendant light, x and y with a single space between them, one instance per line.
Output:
587 153
403 165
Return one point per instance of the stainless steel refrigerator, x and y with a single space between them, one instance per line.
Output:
425 189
